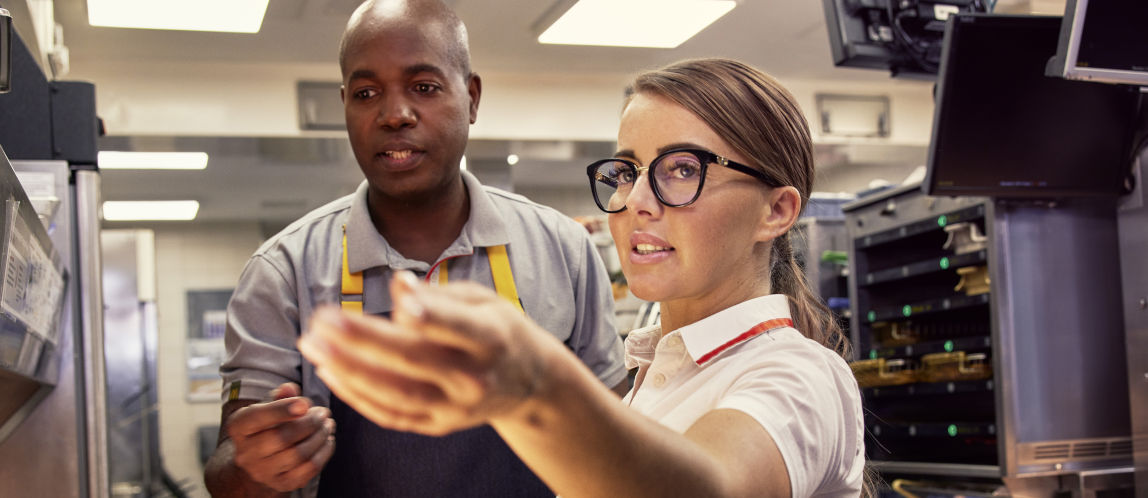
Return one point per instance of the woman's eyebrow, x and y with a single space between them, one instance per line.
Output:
679 145
629 153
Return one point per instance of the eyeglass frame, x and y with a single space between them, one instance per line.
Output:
705 157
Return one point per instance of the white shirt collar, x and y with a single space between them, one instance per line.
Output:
707 338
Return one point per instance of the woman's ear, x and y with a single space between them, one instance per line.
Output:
783 206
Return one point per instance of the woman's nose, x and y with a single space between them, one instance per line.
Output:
642 198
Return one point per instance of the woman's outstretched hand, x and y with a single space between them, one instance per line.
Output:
450 358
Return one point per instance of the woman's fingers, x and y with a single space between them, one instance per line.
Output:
436 311
504 343
408 417
450 358
464 314
377 352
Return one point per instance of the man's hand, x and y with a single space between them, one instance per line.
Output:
282 444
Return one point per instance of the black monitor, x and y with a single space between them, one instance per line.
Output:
5 51
1103 40
1001 128
899 36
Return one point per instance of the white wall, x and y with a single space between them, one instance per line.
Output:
190 257
259 100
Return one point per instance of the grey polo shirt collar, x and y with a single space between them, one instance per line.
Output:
368 249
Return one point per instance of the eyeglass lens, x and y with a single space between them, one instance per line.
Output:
675 177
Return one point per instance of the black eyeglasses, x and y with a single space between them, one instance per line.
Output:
676 177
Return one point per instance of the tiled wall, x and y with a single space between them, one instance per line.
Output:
190 257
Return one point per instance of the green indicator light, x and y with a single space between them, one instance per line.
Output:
942 220
945 263
953 430
949 346
907 310
872 316
872 354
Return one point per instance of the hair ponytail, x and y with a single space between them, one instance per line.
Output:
810 314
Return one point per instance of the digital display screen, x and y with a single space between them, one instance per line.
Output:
1103 40
1114 36
5 51
1002 128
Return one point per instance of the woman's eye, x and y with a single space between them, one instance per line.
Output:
625 176
684 169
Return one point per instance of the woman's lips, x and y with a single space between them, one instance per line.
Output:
646 249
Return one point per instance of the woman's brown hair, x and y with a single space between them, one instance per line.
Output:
761 120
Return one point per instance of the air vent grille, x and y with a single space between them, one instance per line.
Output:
1046 451
1081 449
1089 450
1120 448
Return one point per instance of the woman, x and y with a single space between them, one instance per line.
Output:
745 371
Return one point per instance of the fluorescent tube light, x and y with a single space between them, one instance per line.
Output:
232 16
634 23
152 160
150 210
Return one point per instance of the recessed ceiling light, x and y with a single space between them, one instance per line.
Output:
151 160
512 159
634 23
150 210
232 16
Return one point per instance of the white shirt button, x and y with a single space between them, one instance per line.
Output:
674 342
659 380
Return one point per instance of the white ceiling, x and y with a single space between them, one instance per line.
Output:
785 37
271 180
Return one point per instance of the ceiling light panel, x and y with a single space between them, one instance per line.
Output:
232 16
150 210
151 160
634 23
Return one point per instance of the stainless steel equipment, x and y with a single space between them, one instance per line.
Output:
60 447
130 335
65 430
1133 223
1049 318
31 300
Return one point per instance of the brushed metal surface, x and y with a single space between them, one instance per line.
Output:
92 326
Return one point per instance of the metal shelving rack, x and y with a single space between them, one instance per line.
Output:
1049 324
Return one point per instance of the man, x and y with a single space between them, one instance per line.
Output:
409 98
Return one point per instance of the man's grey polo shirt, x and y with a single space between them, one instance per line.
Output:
561 281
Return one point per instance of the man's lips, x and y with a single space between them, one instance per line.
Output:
400 158
398 155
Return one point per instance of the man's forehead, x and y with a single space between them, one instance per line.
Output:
403 70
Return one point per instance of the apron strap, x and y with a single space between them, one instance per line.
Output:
352 284
503 278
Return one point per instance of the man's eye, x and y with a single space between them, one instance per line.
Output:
425 88
365 93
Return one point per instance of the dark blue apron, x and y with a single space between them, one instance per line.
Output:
376 462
